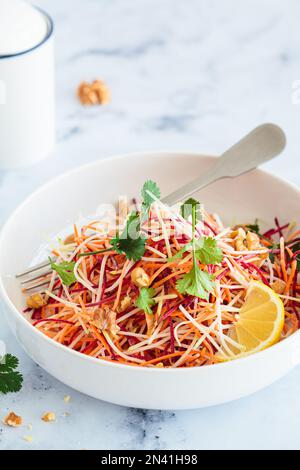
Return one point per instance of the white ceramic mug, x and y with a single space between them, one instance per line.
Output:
27 130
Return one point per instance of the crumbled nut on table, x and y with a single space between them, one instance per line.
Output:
13 420
48 417
93 93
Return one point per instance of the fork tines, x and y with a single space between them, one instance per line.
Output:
38 279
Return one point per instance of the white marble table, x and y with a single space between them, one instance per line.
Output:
191 75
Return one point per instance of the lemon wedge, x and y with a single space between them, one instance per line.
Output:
260 322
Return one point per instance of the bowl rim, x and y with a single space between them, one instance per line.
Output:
169 154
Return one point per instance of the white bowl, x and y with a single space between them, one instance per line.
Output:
60 202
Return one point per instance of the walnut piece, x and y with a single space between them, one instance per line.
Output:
48 417
140 278
252 241
244 242
35 301
125 303
93 93
278 286
13 420
239 236
105 320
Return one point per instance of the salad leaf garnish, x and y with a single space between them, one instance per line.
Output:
145 299
207 251
65 270
152 187
10 379
187 208
254 227
148 199
130 242
197 282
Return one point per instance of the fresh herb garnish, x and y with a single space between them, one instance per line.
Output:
186 210
10 379
254 227
207 251
145 299
197 282
148 199
130 242
65 270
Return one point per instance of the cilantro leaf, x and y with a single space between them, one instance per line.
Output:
130 242
10 379
145 299
187 208
133 249
207 251
152 187
254 227
65 270
148 199
196 282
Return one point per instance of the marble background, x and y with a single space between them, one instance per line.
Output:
184 75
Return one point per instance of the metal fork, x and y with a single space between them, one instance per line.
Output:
259 146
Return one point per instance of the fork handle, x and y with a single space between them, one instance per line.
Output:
259 146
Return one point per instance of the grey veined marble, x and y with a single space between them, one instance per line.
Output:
184 75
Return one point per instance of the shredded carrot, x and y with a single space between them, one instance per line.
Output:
100 315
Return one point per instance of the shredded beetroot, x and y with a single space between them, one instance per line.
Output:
222 274
273 231
210 227
172 337
36 315
258 270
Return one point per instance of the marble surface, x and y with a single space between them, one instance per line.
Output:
193 75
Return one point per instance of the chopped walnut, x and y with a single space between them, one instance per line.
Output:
93 93
48 417
244 242
239 236
278 286
252 241
125 303
35 301
13 420
140 278
105 319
